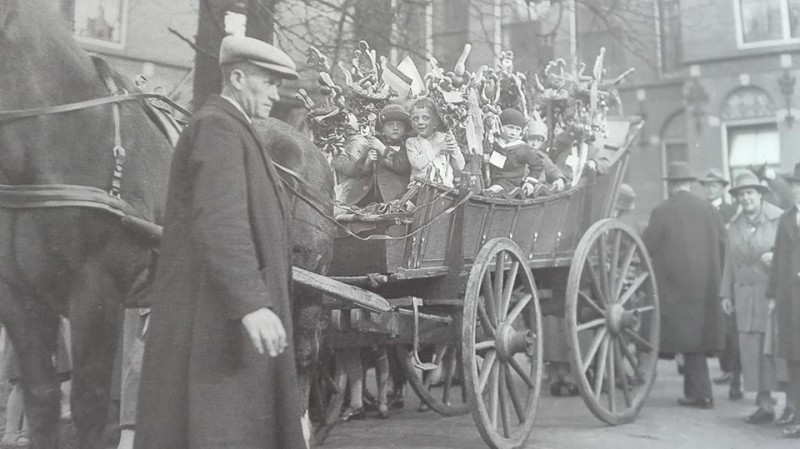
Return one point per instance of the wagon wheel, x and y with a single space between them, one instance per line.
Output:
502 345
613 321
441 389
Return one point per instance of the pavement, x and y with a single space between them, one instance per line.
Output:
566 423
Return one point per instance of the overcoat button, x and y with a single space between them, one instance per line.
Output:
364 188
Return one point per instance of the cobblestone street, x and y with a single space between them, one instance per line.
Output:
565 423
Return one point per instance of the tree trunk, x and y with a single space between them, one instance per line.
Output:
260 19
210 31
67 8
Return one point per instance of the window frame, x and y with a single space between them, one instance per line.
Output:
123 32
744 123
786 28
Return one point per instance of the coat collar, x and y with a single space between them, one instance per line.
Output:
217 101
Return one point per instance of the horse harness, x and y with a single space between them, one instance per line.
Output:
69 195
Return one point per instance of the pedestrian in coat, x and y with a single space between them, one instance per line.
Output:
684 237
714 185
784 288
748 254
219 368
375 169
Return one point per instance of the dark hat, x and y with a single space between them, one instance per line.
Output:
512 116
625 197
259 53
679 171
394 112
795 177
747 180
713 175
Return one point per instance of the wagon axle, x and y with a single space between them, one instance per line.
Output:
510 341
618 319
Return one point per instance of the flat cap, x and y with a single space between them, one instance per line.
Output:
259 53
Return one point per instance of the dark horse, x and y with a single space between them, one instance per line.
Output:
81 262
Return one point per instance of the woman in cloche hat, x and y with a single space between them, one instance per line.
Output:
748 256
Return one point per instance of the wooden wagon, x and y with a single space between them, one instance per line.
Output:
463 286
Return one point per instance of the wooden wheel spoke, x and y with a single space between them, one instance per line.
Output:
591 324
612 378
644 309
488 297
518 307
595 283
639 339
633 288
509 288
598 340
488 344
600 373
486 370
499 273
512 393
615 276
604 275
622 372
494 388
486 323
450 371
591 303
628 355
501 379
623 273
521 372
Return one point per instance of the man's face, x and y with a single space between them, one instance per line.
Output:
394 130
257 90
714 190
511 132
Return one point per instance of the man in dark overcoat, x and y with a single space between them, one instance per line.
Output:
784 288
684 239
219 367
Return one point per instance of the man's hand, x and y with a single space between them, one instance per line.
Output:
766 258
376 144
592 165
265 331
727 306
559 184
528 188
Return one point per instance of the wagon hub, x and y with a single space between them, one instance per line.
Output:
619 319
510 341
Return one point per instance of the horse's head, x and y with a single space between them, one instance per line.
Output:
44 66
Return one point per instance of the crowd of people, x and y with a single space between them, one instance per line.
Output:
727 277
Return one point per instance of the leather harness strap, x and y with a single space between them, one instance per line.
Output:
7 116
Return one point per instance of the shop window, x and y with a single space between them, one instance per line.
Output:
101 21
753 145
767 22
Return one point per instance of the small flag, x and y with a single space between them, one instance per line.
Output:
396 79
408 67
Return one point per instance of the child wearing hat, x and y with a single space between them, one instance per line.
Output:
512 157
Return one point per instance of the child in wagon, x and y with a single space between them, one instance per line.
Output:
433 155
511 158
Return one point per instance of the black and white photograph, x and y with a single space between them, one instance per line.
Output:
399 224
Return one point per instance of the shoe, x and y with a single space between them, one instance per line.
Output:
705 404
571 389
352 414
555 388
787 417
370 403
735 394
725 378
792 431
383 411
760 416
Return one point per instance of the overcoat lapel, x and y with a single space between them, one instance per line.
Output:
274 178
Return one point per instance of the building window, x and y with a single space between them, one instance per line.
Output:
101 21
751 145
767 22
669 35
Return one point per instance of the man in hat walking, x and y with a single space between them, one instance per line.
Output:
219 368
684 238
715 184
784 288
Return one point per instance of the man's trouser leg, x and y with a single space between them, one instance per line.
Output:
696 381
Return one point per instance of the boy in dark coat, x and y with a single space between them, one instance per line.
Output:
512 158
684 238
219 368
